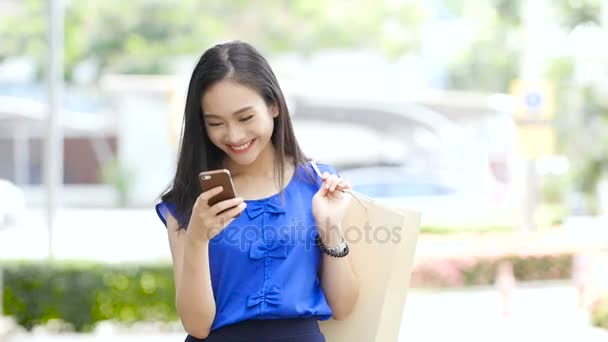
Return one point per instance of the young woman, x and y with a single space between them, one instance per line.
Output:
275 262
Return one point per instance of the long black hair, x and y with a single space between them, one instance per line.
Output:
242 63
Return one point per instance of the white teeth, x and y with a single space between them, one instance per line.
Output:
241 147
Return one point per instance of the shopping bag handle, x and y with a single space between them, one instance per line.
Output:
354 194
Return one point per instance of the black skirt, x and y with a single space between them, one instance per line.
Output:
274 330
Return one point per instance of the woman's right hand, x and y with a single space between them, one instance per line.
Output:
206 222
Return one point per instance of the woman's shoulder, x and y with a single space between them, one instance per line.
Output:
326 167
165 207
309 174
174 204
322 167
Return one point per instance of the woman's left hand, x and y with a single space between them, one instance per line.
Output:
329 204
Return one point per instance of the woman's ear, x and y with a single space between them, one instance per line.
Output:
274 110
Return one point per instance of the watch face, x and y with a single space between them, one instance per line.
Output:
339 248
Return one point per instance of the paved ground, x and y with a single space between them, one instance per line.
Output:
539 313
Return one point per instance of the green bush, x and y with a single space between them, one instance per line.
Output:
599 313
83 295
475 271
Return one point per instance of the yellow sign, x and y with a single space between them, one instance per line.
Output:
535 141
535 100
533 113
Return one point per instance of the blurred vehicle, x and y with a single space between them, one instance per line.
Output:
12 203
443 200
448 154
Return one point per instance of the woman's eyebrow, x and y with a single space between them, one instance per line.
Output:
244 109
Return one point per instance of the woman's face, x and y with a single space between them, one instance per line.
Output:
238 120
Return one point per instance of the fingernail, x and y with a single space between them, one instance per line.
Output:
326 186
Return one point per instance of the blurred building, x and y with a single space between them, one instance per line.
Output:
89 141
345 120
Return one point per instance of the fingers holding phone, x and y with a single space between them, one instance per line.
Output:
227 210
217 206
209 220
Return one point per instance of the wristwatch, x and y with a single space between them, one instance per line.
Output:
338 251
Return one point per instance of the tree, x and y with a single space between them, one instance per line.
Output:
142 36
491 60
582 111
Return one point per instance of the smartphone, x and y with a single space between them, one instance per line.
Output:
214 178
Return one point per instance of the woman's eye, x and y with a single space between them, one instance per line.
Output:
213 124
246 118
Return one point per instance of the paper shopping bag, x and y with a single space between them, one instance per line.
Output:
382 243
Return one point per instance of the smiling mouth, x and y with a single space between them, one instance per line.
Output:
241 148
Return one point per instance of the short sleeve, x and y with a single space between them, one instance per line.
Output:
161 210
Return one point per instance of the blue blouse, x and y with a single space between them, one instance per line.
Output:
265 264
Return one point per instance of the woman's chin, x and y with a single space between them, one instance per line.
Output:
243 160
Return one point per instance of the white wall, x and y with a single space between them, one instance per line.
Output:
144 145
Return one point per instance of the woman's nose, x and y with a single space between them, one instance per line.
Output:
234 136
